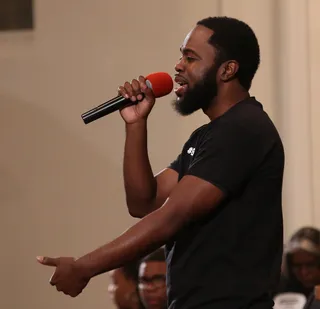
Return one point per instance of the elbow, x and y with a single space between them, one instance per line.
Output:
135 214
138 209
140 205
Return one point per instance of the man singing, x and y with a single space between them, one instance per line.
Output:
217 206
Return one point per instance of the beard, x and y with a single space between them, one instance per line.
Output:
200 96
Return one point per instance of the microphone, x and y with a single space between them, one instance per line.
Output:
161 84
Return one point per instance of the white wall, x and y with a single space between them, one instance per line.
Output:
314 71
61 185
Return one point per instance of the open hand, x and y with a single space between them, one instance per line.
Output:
68 277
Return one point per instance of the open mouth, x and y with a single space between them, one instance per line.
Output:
182 86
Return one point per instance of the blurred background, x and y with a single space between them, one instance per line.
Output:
61 189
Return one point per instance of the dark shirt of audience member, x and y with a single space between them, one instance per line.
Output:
301 265
152 280
123 288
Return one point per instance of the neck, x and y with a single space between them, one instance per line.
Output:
226 99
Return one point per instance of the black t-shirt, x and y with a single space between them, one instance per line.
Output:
231 258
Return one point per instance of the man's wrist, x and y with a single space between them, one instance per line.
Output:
86 265
138 125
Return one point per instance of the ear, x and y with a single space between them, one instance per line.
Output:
228 70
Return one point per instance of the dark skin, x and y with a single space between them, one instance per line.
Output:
306 268
123 291
153 294
159 200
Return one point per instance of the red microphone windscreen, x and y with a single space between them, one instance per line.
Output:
161 83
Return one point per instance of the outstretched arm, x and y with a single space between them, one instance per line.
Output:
190 199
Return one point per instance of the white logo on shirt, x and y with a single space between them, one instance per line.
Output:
191 151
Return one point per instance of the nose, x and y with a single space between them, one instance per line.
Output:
179 67
304 272
150 288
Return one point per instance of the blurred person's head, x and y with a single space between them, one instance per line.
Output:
123 287
152 280
303 257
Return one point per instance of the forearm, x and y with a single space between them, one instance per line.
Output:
139 181
142 238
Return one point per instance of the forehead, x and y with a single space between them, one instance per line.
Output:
198 39
152 268
301 256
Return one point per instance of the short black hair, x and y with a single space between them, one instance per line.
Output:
131 270
235 40
156 256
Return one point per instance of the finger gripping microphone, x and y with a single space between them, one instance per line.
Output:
161 84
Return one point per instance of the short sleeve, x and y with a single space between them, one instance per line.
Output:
176 164
229 154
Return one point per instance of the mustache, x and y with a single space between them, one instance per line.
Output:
179 79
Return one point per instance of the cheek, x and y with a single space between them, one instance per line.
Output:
317 276
160 293
121 298
163 292
296 273
314 274
117 292
303 274
117 295
196 72
142 294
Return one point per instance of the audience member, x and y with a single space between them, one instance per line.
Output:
301 264
152 280
123 288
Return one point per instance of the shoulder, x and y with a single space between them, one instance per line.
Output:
244 126
197 135
249 118
199 131
248 114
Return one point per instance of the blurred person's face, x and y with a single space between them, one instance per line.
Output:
122 291
306 268
152 284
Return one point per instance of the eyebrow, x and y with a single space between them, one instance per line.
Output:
188 50
152 277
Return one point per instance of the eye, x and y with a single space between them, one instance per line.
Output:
190 59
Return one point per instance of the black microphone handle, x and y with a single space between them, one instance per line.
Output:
106 109
109 107
100 106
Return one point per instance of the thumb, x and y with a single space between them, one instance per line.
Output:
48 261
